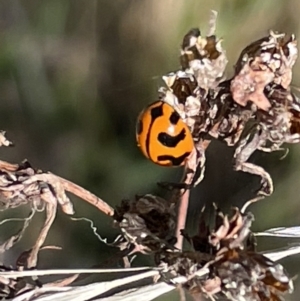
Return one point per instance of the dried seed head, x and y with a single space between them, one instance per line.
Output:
204 57
235 269
147 221
268 60
250 276
184 94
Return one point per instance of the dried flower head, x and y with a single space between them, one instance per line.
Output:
204 57
268 60
236 270
147 222
253 110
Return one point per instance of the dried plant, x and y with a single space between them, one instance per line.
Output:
138 221
236 270
22 184
253 110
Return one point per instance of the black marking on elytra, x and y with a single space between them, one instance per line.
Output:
174 118
155 113
139 127
171 141
174 160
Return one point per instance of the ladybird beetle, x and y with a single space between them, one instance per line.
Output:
162 135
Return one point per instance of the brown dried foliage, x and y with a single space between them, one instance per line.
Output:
254 110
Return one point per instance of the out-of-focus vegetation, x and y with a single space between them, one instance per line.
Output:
74 75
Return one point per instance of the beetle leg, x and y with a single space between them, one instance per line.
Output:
194 170
242 154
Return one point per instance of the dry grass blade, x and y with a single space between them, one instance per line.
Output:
13 274
127 288
280 254
86 292
93 291
145 293
292 232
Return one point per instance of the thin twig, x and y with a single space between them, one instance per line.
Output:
8 166
181 219
50 216
67 185
76 190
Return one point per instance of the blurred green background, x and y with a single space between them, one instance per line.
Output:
74 75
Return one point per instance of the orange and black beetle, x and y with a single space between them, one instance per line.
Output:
163 136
